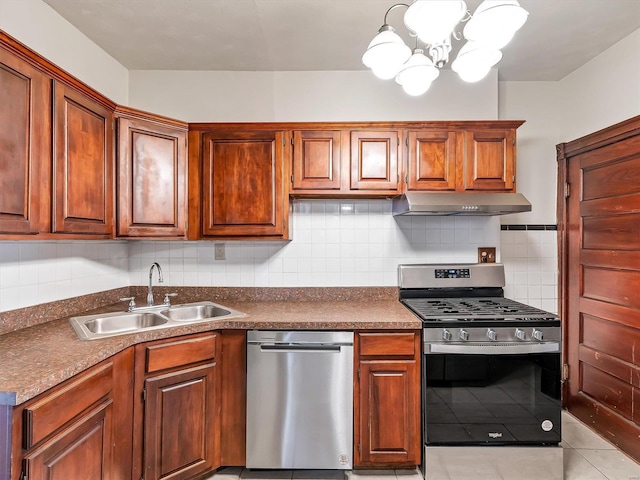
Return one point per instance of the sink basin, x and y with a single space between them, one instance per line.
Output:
192 313
124 322
91 327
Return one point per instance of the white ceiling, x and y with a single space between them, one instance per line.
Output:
307 35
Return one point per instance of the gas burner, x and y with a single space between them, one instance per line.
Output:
476 297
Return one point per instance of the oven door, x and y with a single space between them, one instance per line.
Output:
491 398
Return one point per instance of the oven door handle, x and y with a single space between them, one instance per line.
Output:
492 349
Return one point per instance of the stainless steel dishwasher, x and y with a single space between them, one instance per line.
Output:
299 399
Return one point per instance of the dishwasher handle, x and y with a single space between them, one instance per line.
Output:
300 348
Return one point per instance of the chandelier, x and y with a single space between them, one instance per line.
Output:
434 23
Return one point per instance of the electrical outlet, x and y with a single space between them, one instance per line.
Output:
486 254
218 251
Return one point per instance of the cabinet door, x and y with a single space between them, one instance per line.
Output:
152 166
25 144
389 413
243 185
316 160
432 160
83 165
180 425
489 162
81 451
374 160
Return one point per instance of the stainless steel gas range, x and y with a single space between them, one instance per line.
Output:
491 365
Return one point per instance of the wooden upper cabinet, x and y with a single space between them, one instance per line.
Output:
316 160
489 162
83 164
243 188
152 176
473 156
374 160
25 144
432 160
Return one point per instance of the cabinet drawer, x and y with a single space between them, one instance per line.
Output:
392 344
84 446
48 414
180 352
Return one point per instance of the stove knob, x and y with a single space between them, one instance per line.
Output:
520 335
492 335
464 335
446 335
537 334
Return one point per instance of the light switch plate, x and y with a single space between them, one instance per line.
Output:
486 254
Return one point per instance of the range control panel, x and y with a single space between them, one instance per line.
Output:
452 273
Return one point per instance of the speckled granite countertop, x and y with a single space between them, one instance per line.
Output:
37 358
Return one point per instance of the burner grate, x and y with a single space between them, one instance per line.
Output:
471 308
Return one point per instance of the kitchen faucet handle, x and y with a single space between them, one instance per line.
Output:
167 301
131 300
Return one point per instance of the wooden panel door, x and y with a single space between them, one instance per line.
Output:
152 176
25 145
316 160
374 160
243 188
180 439
489 163
83 165
600 245
81 451
390 413
432 160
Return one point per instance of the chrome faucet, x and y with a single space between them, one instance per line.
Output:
160 280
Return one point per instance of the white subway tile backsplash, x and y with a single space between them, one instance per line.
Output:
33 272
531 267
334 243
550 305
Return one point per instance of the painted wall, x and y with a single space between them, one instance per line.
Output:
39 27
306 96
602 92
537 139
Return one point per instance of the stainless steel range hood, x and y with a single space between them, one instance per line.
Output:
488 204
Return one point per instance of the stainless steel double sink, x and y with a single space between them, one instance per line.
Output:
92 327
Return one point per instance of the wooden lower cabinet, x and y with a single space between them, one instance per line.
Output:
233 398
80 429
175 409
176 414
387 400
81 451
178 423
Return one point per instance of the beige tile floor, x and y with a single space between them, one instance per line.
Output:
586 457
